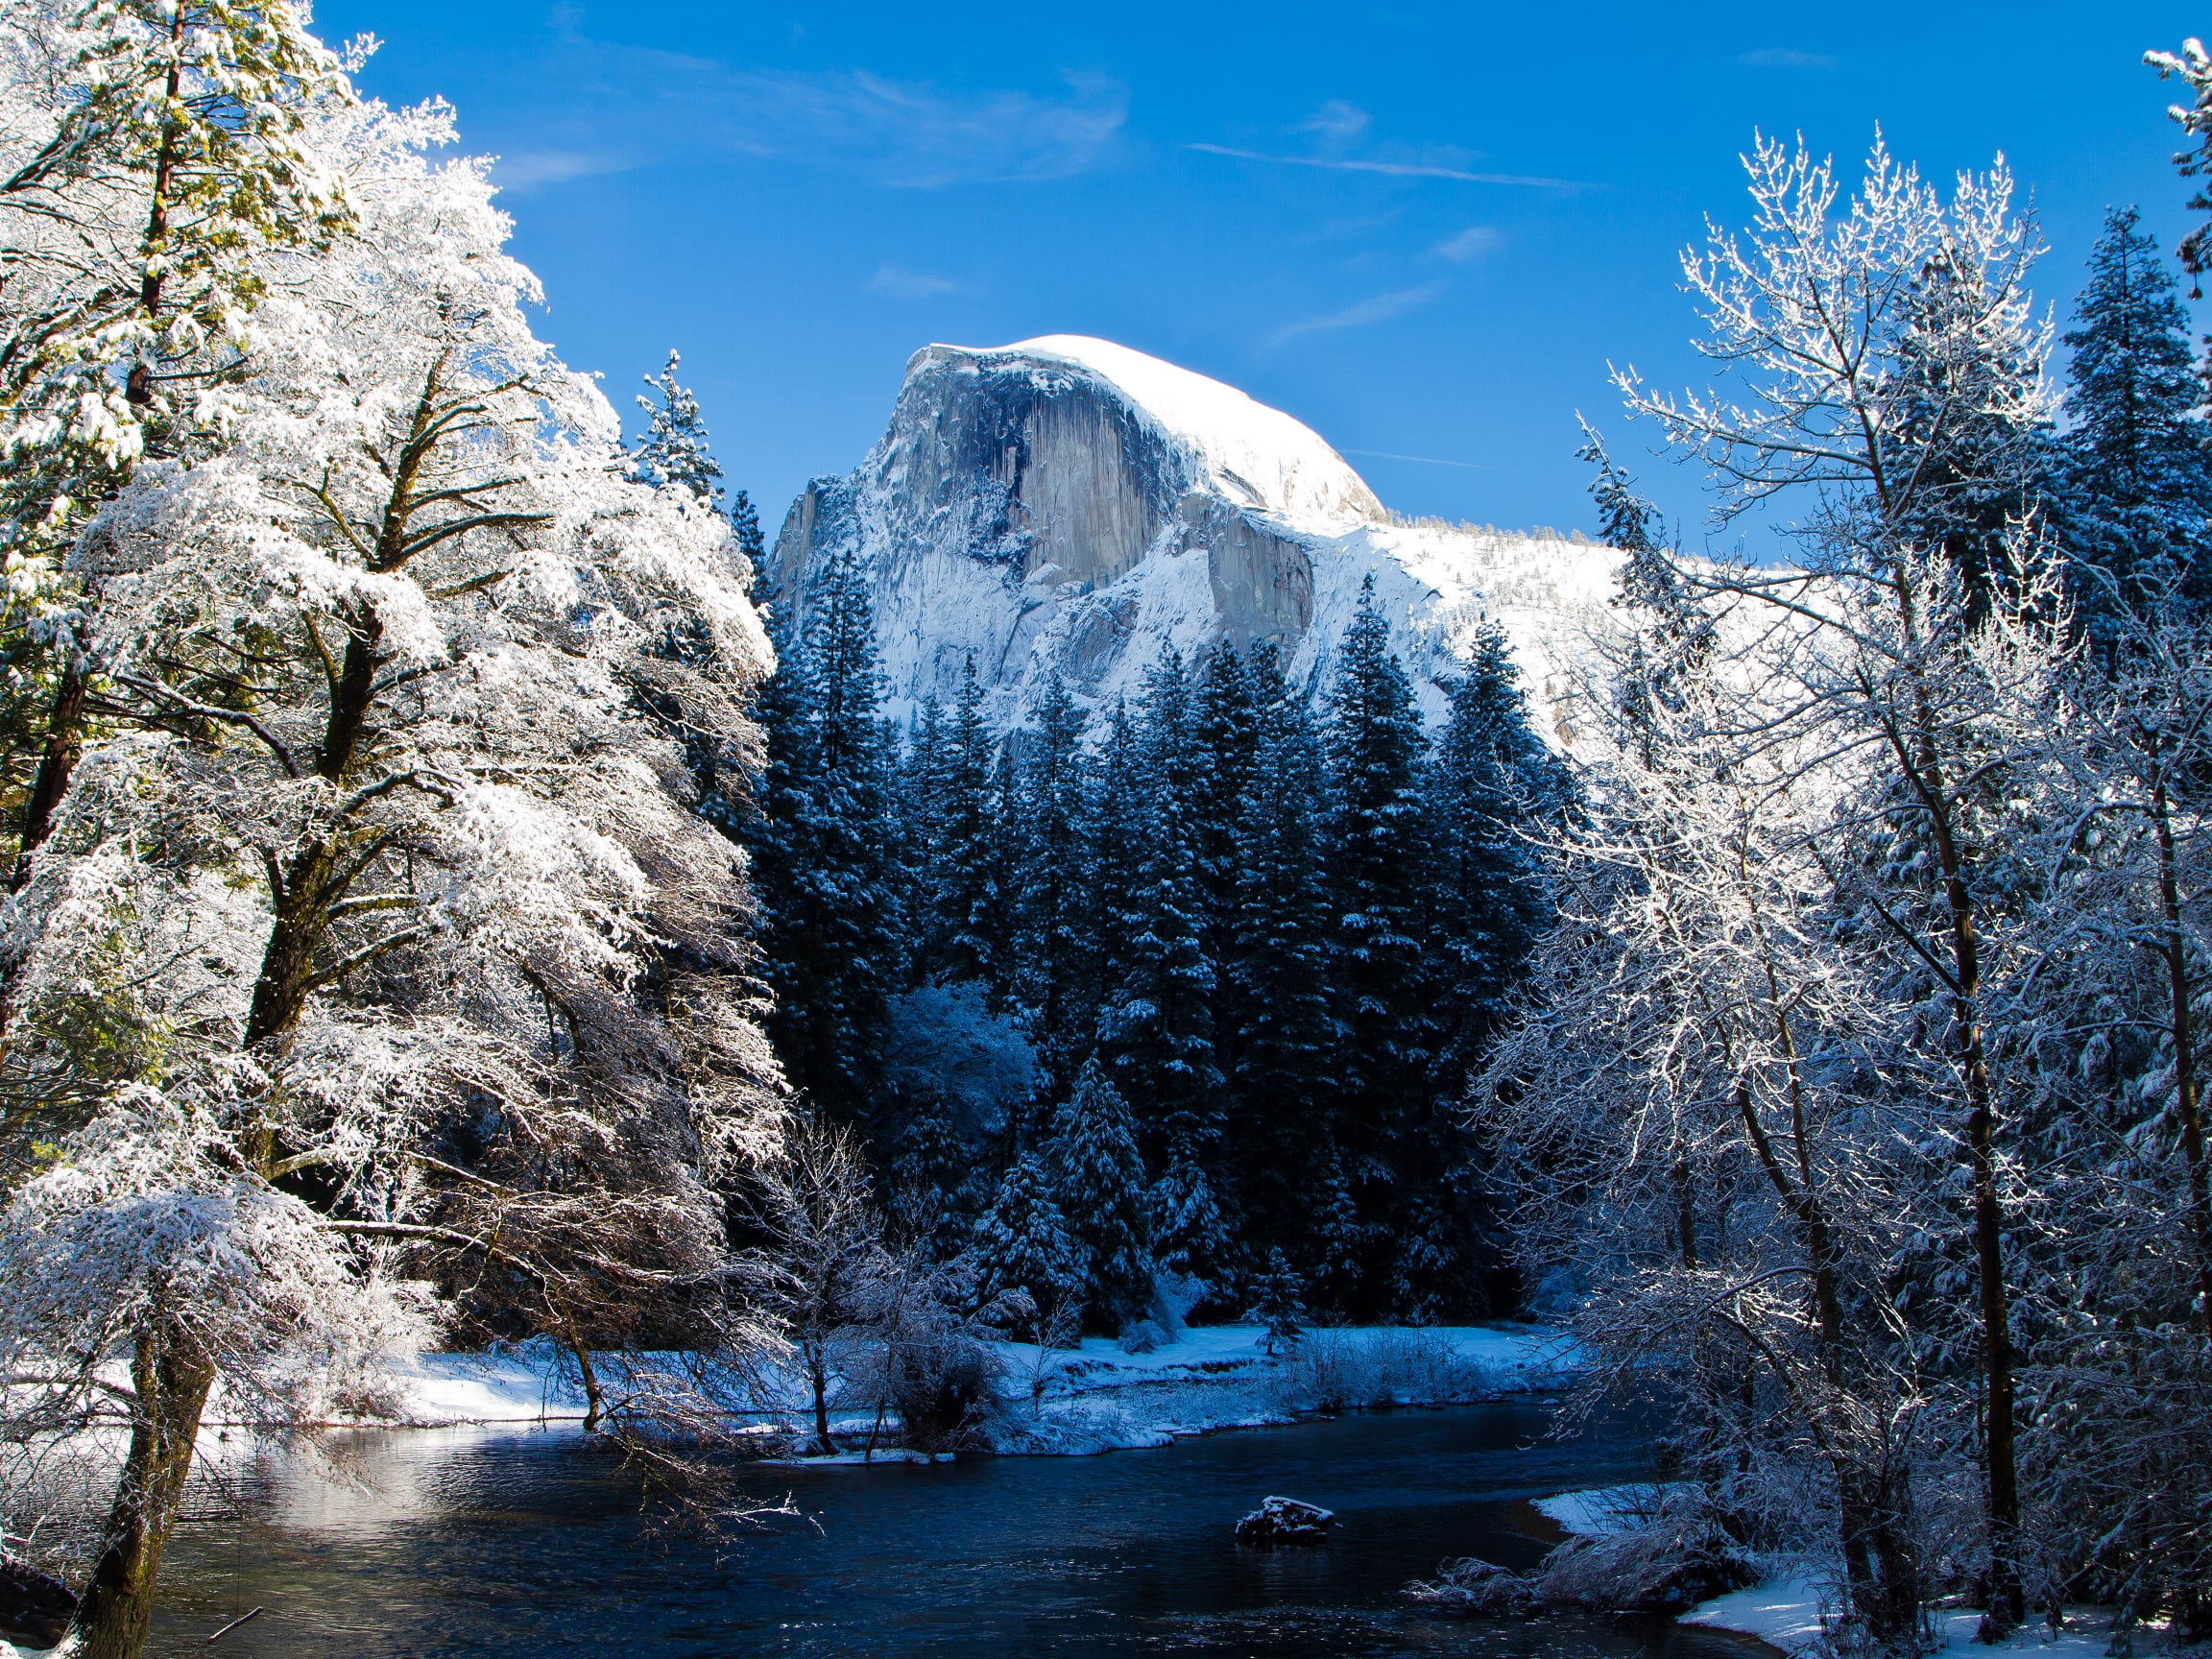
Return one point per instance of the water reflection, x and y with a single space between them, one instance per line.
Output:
467 1542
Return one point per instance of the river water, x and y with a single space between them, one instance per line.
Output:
429 1544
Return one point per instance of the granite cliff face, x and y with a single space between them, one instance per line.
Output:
1068 504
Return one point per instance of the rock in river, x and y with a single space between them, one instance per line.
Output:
1284 1520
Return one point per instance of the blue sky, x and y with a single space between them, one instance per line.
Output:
1423 229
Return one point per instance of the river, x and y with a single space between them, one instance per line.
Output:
438 1544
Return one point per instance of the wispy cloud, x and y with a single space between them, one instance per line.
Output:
1378 309
907 285
1469 245
917 135
1786 58
913 134
1337 120
1425 460
1393 169
527 169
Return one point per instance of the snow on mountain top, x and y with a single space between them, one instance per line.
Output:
1257 455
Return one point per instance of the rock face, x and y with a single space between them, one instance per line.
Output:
1070 504
1285 1521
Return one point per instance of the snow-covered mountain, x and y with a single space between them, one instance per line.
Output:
1070 503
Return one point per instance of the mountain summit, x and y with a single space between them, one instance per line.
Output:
1067 503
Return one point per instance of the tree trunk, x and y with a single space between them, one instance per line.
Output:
2184 1037
57 761
172 1378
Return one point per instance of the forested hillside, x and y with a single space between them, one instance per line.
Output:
1241 955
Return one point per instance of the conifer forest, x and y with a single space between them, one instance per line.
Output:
671 1067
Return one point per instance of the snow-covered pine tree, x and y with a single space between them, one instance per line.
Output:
963 934
926 1172
1970 414
1673 636
1114 832
1156 1027
1098 1183
1056 955
1023 1248
2134 504
745 525
1489 905
673 448
1224 739
830 936
1278 1302
1281 1130
1376 865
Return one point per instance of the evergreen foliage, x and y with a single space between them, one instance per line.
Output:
1254 958
2136 473
831 925
1098 1183
1023 1248
1276 1302
1380 967
1055 949
673 448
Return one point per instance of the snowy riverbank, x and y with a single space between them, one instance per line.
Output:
1096 1398
1789 1611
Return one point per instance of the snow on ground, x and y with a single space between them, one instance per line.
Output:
1784 1613
1787 1613
1600 1512
1096 1398
1788 1610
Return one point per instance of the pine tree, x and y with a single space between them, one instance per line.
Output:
1380 970
1022 1247
924 1173
673 448
1281 1127
2136 490
1224 741
1488 905
1967 431
830 934
1098 1183
966 915
1156 1028
1055 976
1625 520
1113 833
1277 1303
745 526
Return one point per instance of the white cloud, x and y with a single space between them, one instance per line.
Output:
907 285
916 135
1394 169
1786 58
528 168
671 106
1336 120
1378 309
1469 245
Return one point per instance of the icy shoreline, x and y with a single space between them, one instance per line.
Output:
1097 1398
1788 1610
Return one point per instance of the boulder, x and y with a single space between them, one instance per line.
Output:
1284 1520
33 1605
